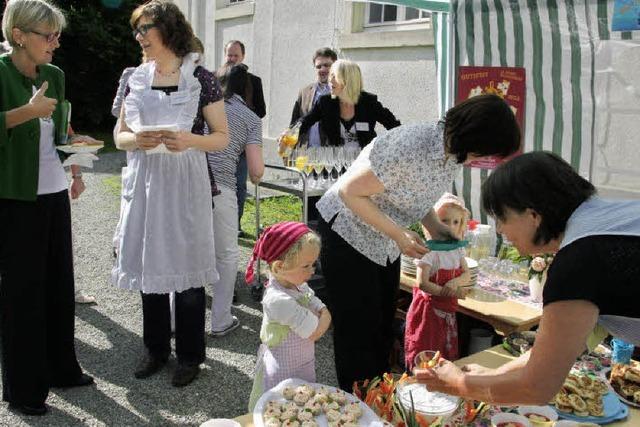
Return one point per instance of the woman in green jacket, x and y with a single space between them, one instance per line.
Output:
36 259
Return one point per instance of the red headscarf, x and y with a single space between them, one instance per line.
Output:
273 242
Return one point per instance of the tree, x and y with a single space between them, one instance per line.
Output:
95 47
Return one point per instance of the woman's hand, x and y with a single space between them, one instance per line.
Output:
148 140
176 141
445 377
42 106
411 244
77 187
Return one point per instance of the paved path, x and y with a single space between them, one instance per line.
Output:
109 341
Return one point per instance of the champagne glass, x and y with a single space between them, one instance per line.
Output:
301 160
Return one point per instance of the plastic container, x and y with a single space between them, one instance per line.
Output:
220 422
479 339
482 242
621 351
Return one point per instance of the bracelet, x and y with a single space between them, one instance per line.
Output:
76 175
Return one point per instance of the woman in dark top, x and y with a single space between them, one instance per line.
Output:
543 206
348 114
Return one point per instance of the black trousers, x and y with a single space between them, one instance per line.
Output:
37 308
190 309
362 300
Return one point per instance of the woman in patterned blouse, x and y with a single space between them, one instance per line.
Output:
394 183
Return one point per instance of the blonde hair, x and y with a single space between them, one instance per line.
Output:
290 257
348 74
26 14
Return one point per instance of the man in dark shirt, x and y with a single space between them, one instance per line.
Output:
234 52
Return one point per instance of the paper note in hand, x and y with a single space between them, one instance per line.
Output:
161 148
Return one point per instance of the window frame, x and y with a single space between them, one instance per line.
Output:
401 11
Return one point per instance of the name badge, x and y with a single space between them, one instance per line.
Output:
179 97
362 126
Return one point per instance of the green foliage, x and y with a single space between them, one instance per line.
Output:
95 47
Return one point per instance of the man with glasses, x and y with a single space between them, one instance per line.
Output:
323 58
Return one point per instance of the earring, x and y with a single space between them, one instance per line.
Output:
21 45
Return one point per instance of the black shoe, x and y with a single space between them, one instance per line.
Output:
29 409
82 380
184 375
235 297
148 366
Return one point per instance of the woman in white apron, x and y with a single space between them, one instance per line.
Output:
166 218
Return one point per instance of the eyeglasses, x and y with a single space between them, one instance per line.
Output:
142 30
50 38
325 65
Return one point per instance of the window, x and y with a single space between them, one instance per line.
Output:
384 14
231 2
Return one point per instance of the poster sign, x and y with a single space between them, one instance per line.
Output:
626 15
507 82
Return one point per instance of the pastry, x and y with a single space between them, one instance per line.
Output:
272 422
288 392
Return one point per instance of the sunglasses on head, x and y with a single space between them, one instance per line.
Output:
50 38
142 30
325 65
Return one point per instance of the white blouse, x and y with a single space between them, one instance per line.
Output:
410 162
281 305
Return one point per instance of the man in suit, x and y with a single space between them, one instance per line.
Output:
308 96
234 52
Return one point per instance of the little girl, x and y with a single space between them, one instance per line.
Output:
431 319
294 318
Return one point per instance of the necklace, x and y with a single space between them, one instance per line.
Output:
169 74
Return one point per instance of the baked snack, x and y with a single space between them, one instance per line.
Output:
581 395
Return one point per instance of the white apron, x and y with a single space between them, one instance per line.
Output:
166 224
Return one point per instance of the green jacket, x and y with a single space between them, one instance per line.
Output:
20 146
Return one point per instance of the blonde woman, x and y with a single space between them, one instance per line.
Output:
36 258
349 114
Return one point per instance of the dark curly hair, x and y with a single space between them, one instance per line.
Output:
483 126
175 31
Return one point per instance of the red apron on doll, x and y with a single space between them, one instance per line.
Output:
431 321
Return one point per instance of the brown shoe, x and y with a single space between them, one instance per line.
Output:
184 375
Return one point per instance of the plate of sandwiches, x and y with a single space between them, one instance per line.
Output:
625 381
586 399
297 403
81 146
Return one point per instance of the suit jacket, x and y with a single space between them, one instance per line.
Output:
304 103
368 110
254 97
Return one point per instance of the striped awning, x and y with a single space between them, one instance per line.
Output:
431 5
557 42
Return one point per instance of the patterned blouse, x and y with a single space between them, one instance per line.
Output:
411 164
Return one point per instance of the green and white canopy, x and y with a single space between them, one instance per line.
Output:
567 49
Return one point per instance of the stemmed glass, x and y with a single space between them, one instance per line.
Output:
301 159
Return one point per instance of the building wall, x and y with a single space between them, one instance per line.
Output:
280 38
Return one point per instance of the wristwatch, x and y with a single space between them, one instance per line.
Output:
76 175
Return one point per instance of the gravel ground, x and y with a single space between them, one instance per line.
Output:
109 340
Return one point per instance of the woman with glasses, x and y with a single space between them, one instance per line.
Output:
37 312
166 226
348 115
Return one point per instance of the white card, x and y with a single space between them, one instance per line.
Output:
362 126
